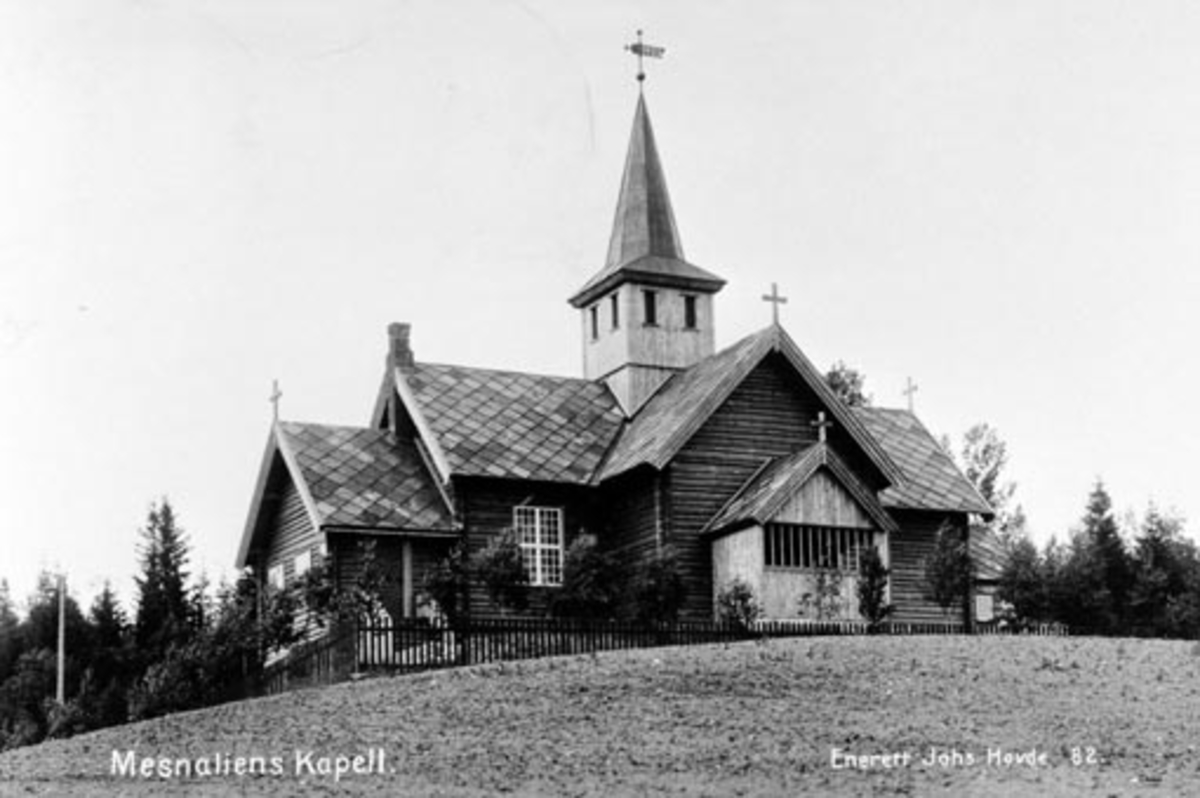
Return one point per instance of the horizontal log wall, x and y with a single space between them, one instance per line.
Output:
769 415
486 507
290 529
630 511
908 549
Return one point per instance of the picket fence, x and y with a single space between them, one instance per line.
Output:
410 645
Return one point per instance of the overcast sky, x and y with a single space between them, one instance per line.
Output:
1000 200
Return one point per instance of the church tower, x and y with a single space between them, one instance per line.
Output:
648 313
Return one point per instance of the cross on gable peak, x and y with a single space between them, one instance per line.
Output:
822 424
909 390
776 299
275 396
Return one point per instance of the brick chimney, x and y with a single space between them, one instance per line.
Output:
400 354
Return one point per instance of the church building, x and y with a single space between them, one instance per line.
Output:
742 460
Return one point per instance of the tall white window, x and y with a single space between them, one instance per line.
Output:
539 531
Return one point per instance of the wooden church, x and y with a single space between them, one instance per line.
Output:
742 460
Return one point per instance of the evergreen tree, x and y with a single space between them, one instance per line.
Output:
40 628
164 611
1107 560
109 673
109 623
1023 582
1163 600
1053 565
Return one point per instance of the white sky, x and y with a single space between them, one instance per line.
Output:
998 199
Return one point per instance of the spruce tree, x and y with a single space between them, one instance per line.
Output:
1109 562
163 611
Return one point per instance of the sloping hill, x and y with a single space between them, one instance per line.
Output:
778 718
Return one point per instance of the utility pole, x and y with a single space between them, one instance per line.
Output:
62 637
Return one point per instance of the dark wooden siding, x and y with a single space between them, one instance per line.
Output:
290 531
630 527
486 508
909 547
769 415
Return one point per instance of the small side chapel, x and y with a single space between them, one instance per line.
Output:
742 460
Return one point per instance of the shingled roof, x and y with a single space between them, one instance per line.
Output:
669 418
778 480
359 477
511 424
931 480
988 554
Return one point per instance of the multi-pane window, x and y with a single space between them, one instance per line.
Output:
275 577
615 310
302 563
689 312
811 546
540 533
650 308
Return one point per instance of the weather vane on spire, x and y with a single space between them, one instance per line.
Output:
644 50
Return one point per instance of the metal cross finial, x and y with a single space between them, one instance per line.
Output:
276 394
647 50
909 391
821 424
776 300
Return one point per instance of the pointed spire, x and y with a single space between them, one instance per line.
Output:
645 246
644 223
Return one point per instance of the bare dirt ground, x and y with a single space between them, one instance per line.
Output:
1009 716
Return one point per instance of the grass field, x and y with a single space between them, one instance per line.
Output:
1007 716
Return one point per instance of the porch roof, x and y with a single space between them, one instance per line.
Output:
778 479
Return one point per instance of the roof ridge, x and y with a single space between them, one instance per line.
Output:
283 423
514 372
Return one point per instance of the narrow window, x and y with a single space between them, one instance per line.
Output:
594 312
650 303
616 312
689 312
302 563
